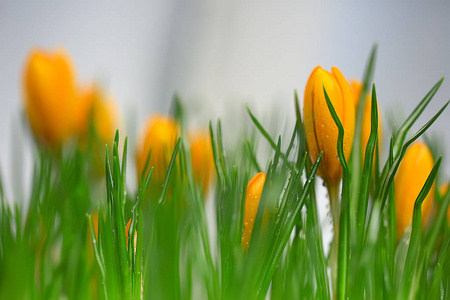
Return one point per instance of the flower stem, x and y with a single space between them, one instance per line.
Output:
333 192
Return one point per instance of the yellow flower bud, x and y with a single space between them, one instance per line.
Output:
202 158
158 140
50 96
411 176
367 117
321 131
252 197
93 103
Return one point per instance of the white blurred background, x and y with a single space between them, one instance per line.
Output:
220 54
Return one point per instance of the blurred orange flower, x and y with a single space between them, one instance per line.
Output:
202 158
96 107
158 140
50 95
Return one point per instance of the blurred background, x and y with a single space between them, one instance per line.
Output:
218 55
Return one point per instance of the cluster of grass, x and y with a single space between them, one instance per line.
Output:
55 248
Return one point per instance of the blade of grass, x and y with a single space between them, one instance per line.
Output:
356 148
266 135
216 155
252 156
163 197
300 130
438 224
288 224
367 169
404 128
414 245
393 170
344 220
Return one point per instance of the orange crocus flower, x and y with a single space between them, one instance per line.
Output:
321 131
411 176
202 158
50 96
252 197
158 140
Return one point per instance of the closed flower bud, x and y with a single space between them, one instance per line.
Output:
367 117
202 158
96 107
411 176
321 131
158 140
50 96
252 197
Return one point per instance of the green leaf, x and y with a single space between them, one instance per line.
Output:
344 220
163 197
367 169
403 130
216 156
414 244
356 158
393 170
266 135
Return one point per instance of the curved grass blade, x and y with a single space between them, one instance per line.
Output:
266 135
436 278
288 224
98 254
315 247
344 220
414 244
356 147
438 224
216 155
403 130
393 170
162 200
300 131
367 169
252 156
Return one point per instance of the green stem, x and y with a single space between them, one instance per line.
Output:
333 192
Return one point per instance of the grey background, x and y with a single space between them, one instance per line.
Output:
220 54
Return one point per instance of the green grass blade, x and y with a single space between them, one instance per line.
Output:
404 128
393 170
163 197
216 155
438 224
344 220
356 158
252 156
367 169
266 135
435 289
300 130
288 224
415 242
